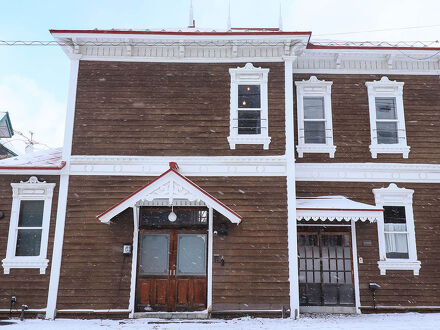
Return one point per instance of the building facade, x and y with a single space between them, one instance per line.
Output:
245 171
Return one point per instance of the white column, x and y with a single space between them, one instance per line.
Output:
291 191
62 195
134 254
210 248
357 298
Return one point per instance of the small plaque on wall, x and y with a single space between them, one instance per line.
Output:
367 243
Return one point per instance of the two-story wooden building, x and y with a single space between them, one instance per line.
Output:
227 172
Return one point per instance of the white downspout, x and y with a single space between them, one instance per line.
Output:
210 250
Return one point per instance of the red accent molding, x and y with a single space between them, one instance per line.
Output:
174 166
63 163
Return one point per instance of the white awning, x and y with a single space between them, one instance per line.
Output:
339 208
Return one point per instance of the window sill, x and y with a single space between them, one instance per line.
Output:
389 149
317 149
25 262
249 139
398 265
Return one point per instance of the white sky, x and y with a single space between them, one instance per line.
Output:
34 80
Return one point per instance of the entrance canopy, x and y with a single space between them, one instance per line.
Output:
170 185
335 208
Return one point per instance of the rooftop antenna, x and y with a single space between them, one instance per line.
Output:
229 16
280 20
192 22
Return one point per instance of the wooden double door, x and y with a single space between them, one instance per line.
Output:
172 268
325 266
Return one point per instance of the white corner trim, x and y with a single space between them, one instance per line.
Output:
31 190
210 257
385 265
357 296
132 299
395 196
321 89
387 89
252 76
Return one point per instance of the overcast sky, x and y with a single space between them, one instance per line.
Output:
34 80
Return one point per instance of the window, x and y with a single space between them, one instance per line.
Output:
315 129
387 119
249 107
29 225
397 242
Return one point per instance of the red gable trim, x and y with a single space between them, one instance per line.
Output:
187 180
188 33
34 167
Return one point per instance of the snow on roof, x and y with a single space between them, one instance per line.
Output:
42 159
5 125
335 208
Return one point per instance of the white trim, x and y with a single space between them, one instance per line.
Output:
252 76
31 190
189 166
368 172
170 186
366 71
357 295
132 301
314 88
62 195
389 89
328 215
210 256
29 172
184 60
395 196
292 238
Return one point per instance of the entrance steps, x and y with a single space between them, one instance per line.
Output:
172 315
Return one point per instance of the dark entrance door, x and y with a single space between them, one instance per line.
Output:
172 270
325 267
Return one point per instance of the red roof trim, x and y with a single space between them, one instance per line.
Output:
316 209
163 174
34 167
312 46
182 32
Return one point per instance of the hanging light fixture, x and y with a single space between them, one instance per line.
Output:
172 216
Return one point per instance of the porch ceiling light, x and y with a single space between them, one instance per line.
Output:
172 216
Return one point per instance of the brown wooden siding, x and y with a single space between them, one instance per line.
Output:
351 119
27 285
157 109
94 274
397 287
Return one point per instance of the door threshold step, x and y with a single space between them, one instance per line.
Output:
172 315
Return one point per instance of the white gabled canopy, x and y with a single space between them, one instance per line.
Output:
170 185
335 208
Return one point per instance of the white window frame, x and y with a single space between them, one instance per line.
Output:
392 89
252 76
315 88
30 190
395 196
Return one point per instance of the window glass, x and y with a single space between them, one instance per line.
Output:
191 254
249 122
28 242
31 214
396 236
154 255
314 132
249 96
386 108
387 133
157 217
314 108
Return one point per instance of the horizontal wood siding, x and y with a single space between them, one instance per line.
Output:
27 285
157 109
398 288
94 273
351 119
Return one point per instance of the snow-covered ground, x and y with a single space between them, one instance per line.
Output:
408 321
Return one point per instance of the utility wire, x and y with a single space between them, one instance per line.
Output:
379 30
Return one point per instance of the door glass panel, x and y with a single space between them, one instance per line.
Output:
154 256
191 254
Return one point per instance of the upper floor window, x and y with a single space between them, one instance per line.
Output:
249 107
387 118
396 234
29 225
314 111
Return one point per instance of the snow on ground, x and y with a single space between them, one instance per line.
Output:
408 321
